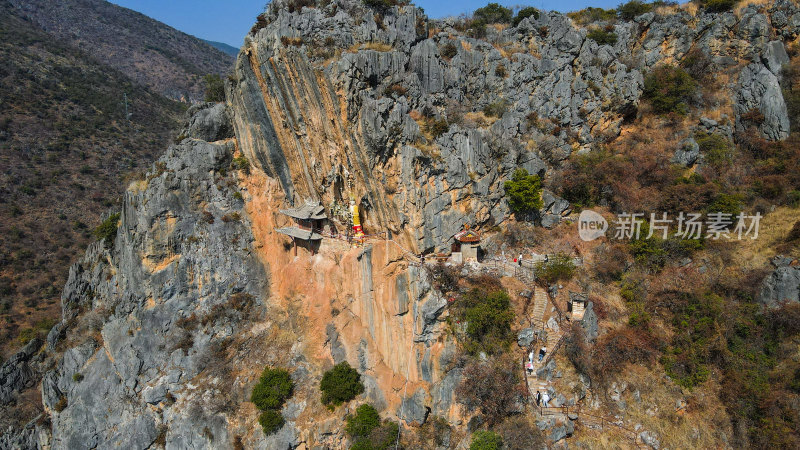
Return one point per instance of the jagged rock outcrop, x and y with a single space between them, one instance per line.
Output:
166 329
208 122
16 374
335 104
760 91
783 284
688 153
589 322
156 311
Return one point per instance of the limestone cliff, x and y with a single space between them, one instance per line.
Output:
166 329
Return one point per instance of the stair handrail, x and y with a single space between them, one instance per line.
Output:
552 354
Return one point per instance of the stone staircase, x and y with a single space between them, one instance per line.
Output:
555 339
578 308
540 303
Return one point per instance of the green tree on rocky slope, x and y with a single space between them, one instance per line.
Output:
524 192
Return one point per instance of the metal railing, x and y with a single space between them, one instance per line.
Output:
555 349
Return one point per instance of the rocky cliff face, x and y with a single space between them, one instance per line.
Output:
165 331
337 93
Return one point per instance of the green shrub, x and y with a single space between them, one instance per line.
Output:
241 163
271 421
107 230
488 317
602 37
669 89
632 9
717 6
77 377
383 437
696 322
381 5
524 13
728 204
793 199
591 14
449 50
496 109
523 192
654 253
715 148
493 13
340 384
436 127
215 89
26 335
486 440
273 388
363 422
556 268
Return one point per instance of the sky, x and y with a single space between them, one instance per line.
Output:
229 21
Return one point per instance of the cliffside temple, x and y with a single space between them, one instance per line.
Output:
309 219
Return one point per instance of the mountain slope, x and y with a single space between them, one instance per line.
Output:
149 52
64 148
223 47
420 122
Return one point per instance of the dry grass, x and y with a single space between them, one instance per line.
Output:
429 149
742 5
697 423
137 186
479 119
667 10
690 7
377 46
499 26
503 49
680 419
774 227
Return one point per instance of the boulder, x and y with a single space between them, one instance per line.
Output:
650 439
562 431
775 57
782 285
525 337
687 154
17 374
413 410
760 90
589 323
208 122
550 220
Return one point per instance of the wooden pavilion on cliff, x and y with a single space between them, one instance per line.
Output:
308 222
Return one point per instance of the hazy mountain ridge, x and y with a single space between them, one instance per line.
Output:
149 52
223 47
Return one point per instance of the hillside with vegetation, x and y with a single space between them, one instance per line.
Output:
147 51
206 315
66 149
